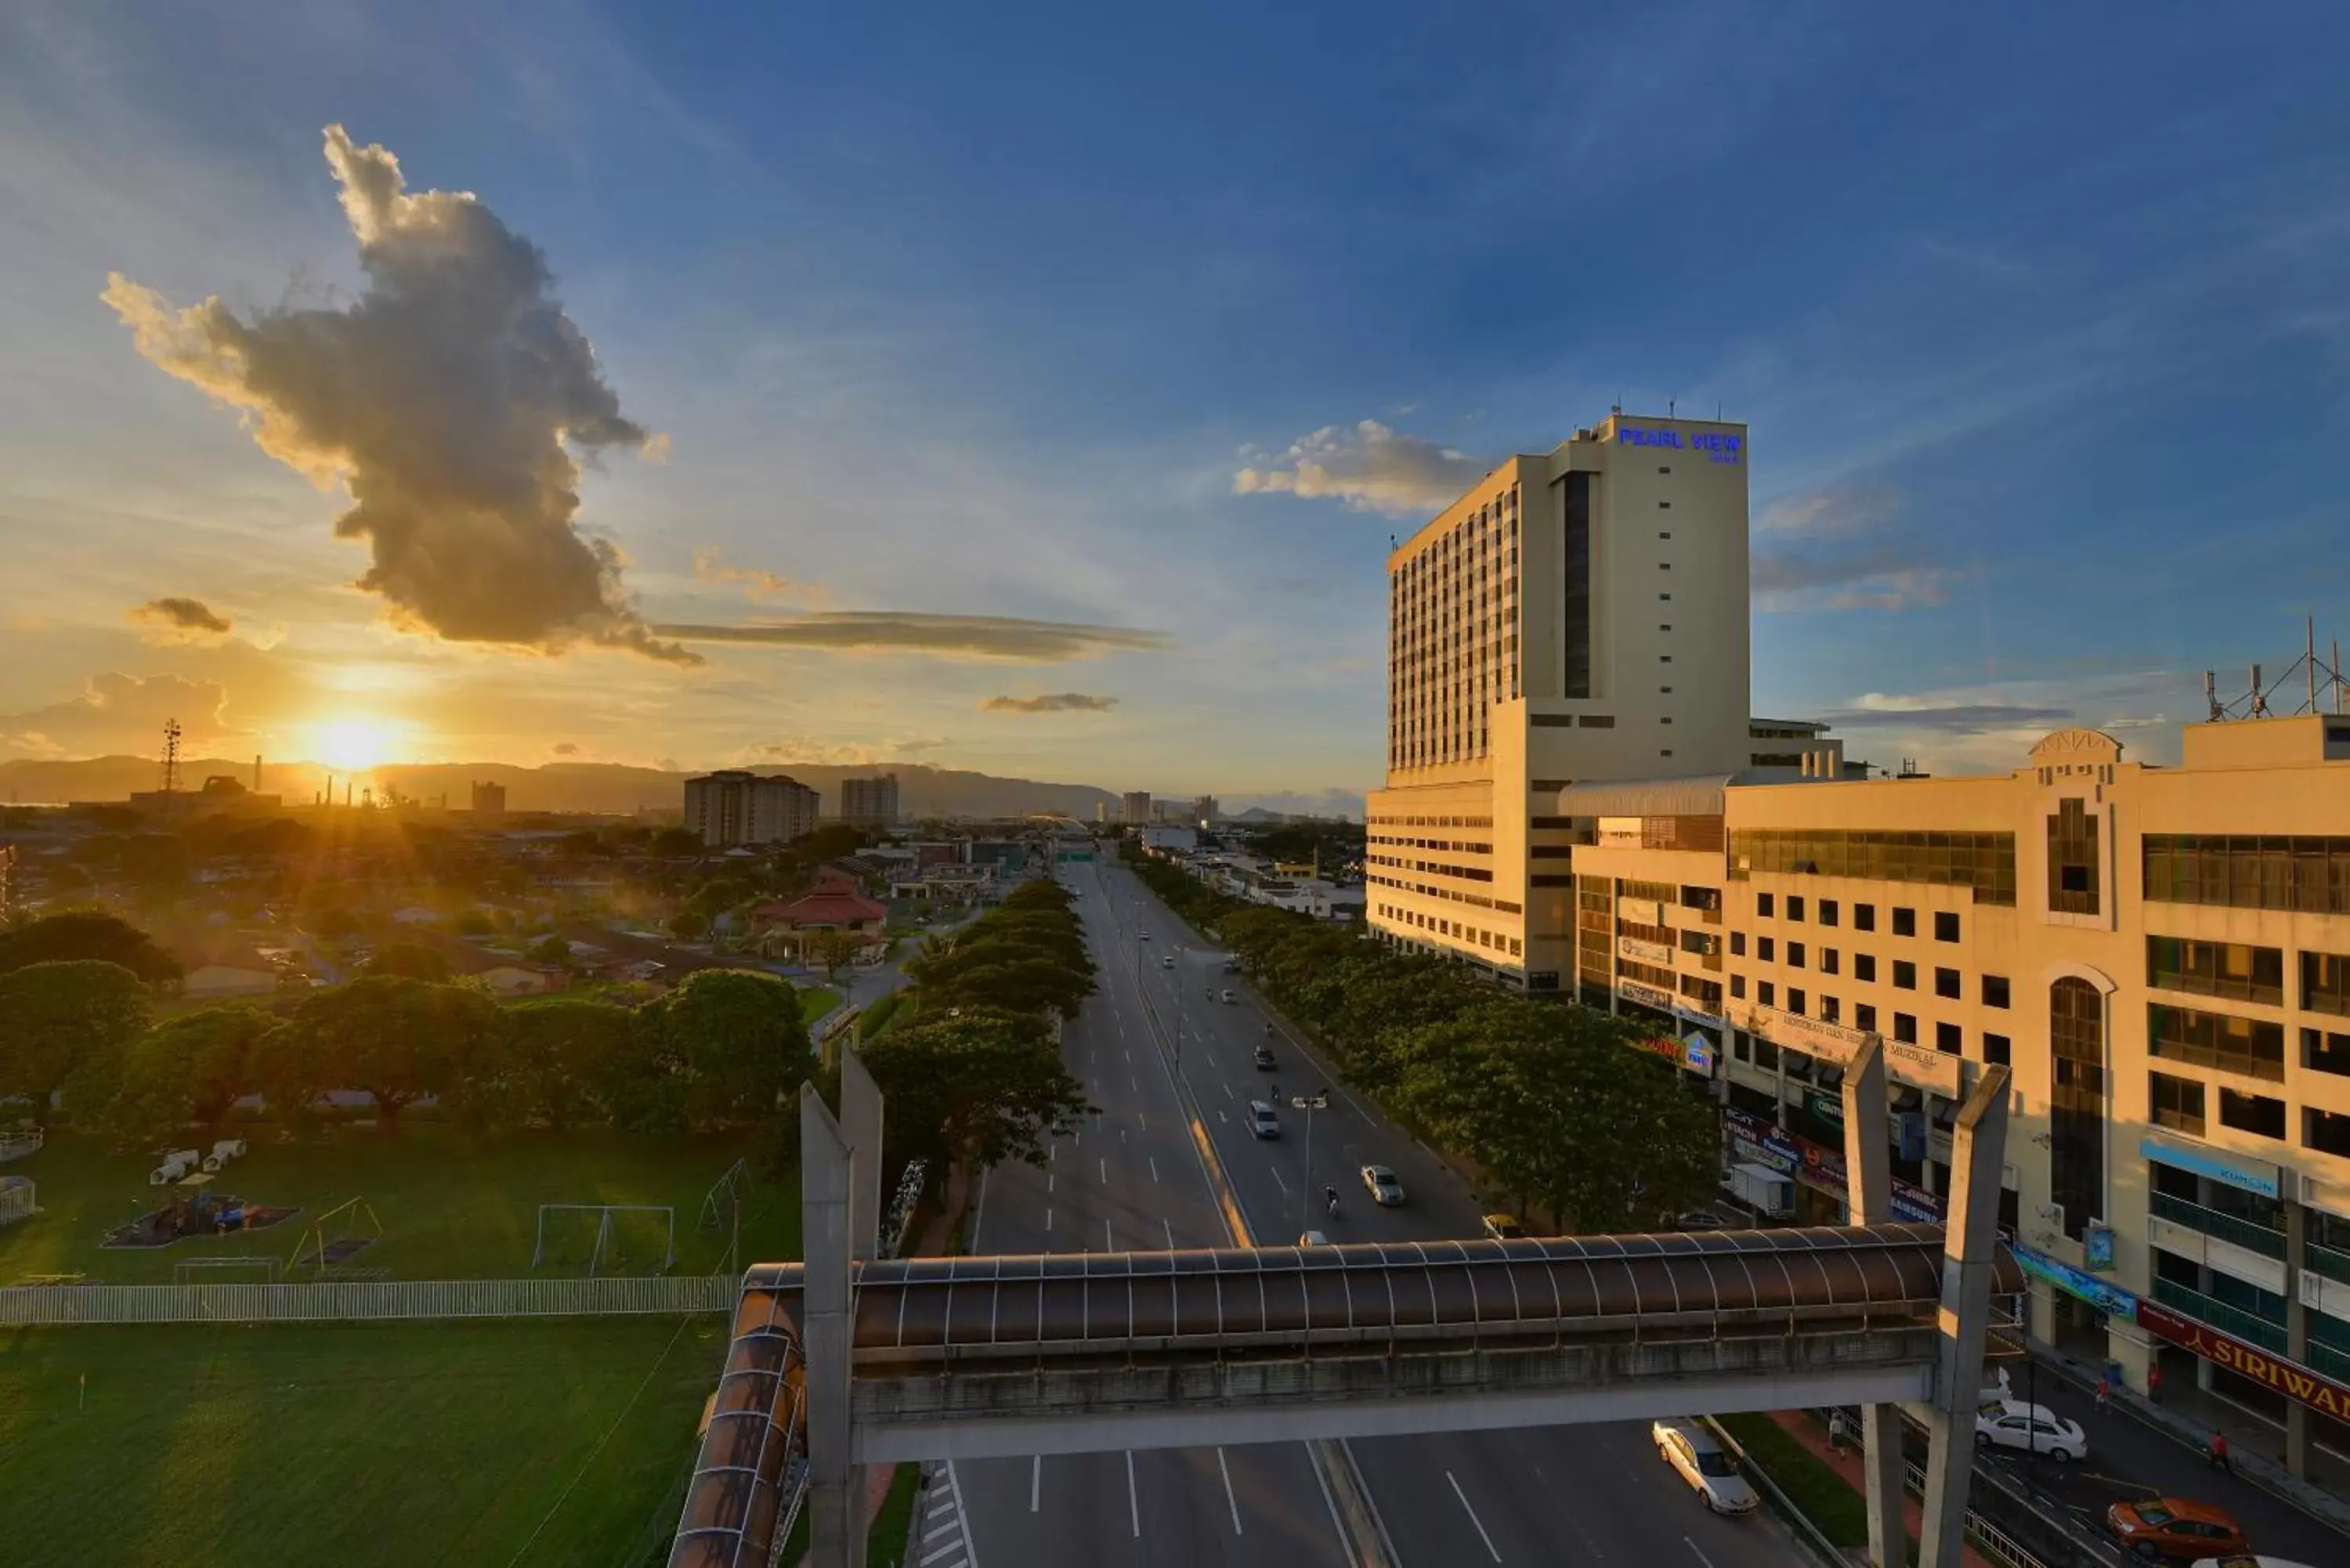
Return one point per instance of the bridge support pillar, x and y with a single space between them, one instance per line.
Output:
1868 1169
1971 1240
836 1507
860 1126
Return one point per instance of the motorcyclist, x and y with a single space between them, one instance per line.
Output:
1330 1196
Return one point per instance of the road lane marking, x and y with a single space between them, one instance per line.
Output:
1701 1557
1473 1516
1048 1217
1229 1095
1104 1163
979 1211
1133 1498
1222 1117
1136 1082
1143 1121
1036 1482
1229 1498
1277 1176
1048 1181
1154 1171
1171 1232
1110 1242
1346 1542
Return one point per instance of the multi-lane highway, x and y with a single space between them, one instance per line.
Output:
1131 1177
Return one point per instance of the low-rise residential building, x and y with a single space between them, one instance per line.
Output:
2160 956
784 929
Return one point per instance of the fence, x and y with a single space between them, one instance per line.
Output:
365 1301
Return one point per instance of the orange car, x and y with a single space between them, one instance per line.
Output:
2174 1527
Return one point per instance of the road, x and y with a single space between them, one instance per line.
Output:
1589 1495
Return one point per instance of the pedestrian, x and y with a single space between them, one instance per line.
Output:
2153 1382
2104 1390
2216 1456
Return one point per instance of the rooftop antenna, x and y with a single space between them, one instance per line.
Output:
2212 696
2259 699
1671 405
2336 673
2309 656
171 756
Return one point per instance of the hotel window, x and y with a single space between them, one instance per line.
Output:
1762 905
2324 982
2255 1113
2235 970
1766 950
1947 984
1828 911
1738 986
1905 921
2247 1045
2175 1103
1827 961
1864 917
2076 1114
1905 975
1995 990
1864 967
1794 1001
1830 1009
1864 1018
1946 925
1949 1039
2072 859
1738 944
1794 906
1767 993
2322 1051
1996 1050
1795 955
1905 1029
2327 1132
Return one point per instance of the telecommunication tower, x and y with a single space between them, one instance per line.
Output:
171 756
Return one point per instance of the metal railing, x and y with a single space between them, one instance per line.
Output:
2244 1233
2325 1260
2219 1315
370 1300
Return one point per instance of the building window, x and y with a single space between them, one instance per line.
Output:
1864 1018
2310 875
2324 982
1946 925
1995 990
1738 944
1794 906
1996 1050
1577 606
1864 967
1767 993
1983 863
2221 1040
1795 955
1762 905
1905 1028
2072 859
1794 1001
1738 986
1828 911
2076 1066
1831 1010
1827 961
1947 984
1905 975
2174 1103
1766 950
1766 1054
2324 1051
1949 1039
2235 970
1864 917
2327 1132
2255 1113
1905 922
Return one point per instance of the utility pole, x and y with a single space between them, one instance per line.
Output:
1309 1104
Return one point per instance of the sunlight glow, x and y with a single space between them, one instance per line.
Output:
355 744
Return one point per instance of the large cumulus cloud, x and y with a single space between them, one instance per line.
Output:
445 398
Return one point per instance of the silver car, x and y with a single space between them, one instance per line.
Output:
1691 1450
1385 1188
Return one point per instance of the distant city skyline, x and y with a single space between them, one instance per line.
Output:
1011 431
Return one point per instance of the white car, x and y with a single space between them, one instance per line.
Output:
1313 1239
2012 1423
1690 1449
1385 1188
1228 997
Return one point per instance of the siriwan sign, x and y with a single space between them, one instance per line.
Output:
2289 1378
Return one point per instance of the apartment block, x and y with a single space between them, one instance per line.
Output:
870 802
2160 956
1137 807
733 807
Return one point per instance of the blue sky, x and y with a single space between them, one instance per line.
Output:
2036 319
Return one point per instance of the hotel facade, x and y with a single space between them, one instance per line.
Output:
1579 802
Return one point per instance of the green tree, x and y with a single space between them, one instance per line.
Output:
190 1069
571 1059
64 1025
973 1090
675 844
688 925
550 949
412 960
474 923
397 1038
86 934
834 951
737 1038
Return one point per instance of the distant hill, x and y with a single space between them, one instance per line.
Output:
557 786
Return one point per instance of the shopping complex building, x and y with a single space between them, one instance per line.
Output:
1579 802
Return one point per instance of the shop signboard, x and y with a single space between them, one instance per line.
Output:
2097 1246
1831 1043
1646 953
1817 1165
2252 1177
1647 996
2103 1294
1758 1142
2289 1378
1923 1068
1697 1052
1829 1108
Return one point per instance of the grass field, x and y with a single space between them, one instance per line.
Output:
816 1001
453 1206
1820 1494
548 1442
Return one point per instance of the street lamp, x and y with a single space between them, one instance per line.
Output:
1309 1104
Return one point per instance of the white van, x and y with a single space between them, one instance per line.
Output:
1264 1121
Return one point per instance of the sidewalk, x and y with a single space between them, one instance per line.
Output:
2188 1415
1847 1463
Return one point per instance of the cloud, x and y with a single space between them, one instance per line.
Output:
1841 547
756 583
442 399
1054 703
173 619
1878 712
1369 466
982 637
117 713
567 748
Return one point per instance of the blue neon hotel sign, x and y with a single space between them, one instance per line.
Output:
1715 445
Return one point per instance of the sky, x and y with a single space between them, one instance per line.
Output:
1036 387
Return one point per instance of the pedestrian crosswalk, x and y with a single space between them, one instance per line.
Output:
941 1530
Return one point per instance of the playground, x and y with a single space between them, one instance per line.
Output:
433 1203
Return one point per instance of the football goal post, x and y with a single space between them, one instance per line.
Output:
609 1249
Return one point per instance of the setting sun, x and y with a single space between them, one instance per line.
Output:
354 745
